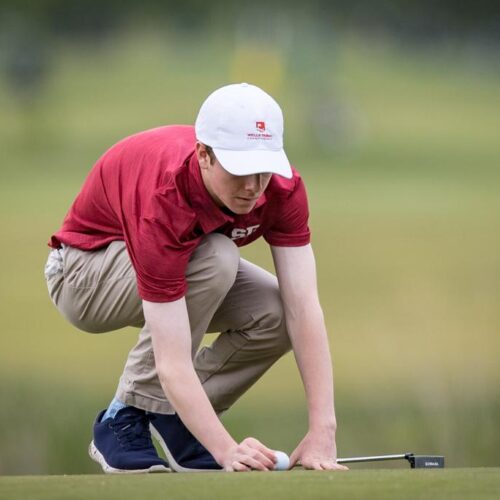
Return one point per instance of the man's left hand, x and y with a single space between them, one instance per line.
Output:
317 451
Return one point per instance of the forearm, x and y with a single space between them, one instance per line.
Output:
296 270
310 345
172 350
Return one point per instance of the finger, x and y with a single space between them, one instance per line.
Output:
341 467
268 453
260 457
252 463
269 463
262 453
239 467
256 444
294 459
313 465
328 465
332 465
307 464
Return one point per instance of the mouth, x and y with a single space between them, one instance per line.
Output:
247 199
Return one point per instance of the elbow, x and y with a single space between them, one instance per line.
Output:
170 373
167 376
304 308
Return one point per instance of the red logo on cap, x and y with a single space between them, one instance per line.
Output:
260 134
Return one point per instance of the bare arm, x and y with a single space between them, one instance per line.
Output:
296 270
171 336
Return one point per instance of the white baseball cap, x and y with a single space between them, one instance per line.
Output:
244 127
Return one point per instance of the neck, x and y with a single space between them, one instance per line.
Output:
205 177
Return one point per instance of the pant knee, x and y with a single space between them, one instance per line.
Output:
272 318
220 262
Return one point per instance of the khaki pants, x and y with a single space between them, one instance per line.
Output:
96 291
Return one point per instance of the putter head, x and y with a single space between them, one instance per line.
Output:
425 461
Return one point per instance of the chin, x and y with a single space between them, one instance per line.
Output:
243 211
240 210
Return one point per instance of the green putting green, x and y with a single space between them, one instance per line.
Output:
453 484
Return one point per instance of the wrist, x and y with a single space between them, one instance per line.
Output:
222 450
328 426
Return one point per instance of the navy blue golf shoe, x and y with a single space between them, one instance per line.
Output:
123 444
183 451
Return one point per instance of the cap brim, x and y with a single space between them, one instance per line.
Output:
258 161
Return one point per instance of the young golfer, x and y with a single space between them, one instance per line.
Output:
152 241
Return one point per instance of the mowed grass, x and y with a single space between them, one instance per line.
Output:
457 484
405 215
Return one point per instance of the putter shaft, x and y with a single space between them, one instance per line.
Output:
415 461
373 459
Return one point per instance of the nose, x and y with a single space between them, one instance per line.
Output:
253 183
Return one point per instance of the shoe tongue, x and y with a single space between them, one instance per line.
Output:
131 418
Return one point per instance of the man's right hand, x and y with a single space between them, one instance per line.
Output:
249 455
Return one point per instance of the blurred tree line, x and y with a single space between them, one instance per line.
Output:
30 30
418 19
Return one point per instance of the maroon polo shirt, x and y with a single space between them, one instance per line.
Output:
148 191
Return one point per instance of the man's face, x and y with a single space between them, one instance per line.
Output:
238 193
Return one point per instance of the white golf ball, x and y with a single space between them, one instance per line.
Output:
283 461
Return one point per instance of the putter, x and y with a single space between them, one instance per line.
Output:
416 461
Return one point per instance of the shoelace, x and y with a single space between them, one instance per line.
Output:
133 432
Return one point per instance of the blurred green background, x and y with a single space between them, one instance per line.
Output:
392 115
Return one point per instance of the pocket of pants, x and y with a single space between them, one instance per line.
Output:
54 264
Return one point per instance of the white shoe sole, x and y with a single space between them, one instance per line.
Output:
97 456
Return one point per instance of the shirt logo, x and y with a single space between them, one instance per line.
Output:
260 126
238 233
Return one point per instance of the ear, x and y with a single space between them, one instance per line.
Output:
203 156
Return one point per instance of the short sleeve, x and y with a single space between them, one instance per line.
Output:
290 221
160 252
